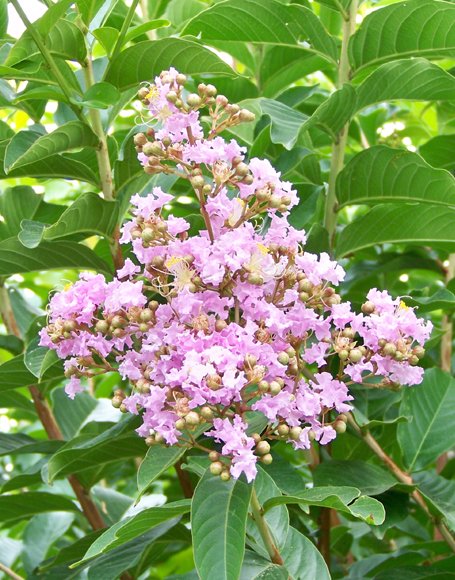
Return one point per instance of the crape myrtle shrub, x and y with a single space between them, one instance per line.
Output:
225 389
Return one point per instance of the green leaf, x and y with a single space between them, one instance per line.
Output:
23 505
140 29
68 137
381 174
440 492
39 359
218 523
370 479
14 374
438 151
432 429
107 37
100 96
157 460
64 39
17 203
264 22
11 343
419 224
19 444
300 554
86 451
416 79
256 567
3 17
17 259
90 214
345 499
90 8
442 299
65 166
390 33
286 122
335 112
133 527
341 6
145 60
14 400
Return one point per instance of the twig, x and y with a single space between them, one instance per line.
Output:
10 572
404 478
184 480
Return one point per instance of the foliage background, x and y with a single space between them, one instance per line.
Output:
382 103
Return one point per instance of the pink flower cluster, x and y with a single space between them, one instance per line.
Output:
237 324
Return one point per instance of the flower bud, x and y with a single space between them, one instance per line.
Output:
146 315
295 432
147 235
180 424
262 448
118 322
275 201
355 355
232 109
274 388
246 116
194 100
339 426
142 93
225 475
256 437
207 413
263 386
216 468
255 279
263 194
213 382
419 351
210 91
102 326
221 101
220 325
181 79
304 296
214 456
250 360
197 181
242 169
267 459
192 418
389 349
150 440
343 354
154 148
368 307
283 430
283 358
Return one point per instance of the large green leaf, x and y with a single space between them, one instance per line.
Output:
381 174
442 299
26 504
370 479
335 112
72 135
3 17
405 29
345 499
218 522
418 224
64 39
432 429
264 22
438 151
14 374
90 214
256 567
145 60
157 460
17 259
416 79
440 492
86 451
132 527
67 166
303 559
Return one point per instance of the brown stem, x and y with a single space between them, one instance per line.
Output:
48 421
184 480
404 478
325 525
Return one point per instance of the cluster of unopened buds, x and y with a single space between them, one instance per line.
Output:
235 332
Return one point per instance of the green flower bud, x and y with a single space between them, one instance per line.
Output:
262 448
216 468
267 459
